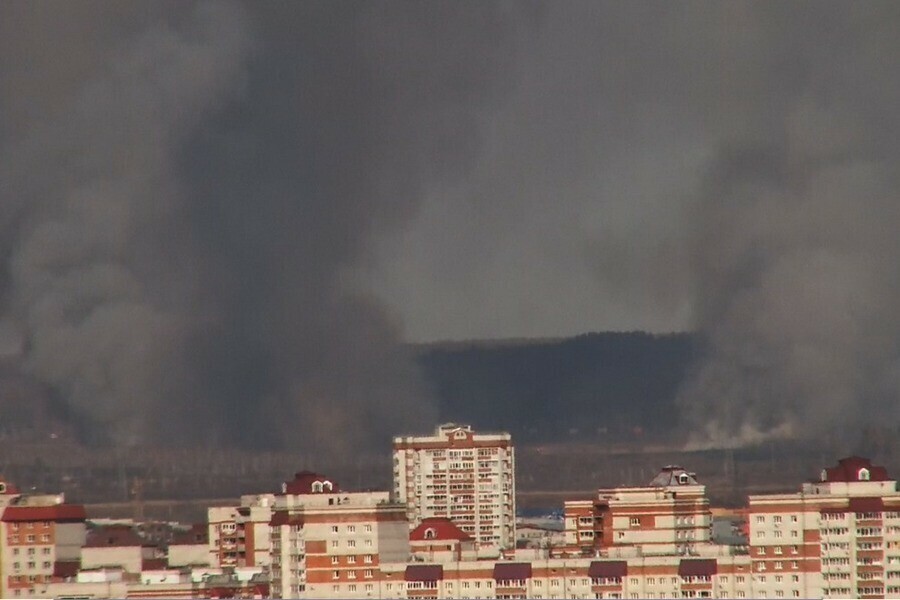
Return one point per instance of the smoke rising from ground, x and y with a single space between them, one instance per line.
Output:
186 188
204 209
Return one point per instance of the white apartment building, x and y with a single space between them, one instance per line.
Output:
462 475
330 543
837 538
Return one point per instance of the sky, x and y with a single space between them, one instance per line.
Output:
220 205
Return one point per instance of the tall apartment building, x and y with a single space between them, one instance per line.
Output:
239 535
39 536
465 476
330 543
668 516
838 537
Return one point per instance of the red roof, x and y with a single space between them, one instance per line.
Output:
866 505
850 469
438 528
153 564
424 573
611 569
697 567
505 571
118 536
307 482
58 513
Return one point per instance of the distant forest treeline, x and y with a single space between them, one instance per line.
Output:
614 386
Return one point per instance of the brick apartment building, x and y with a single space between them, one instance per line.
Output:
462 475
330 543
239 536
838 537
40 537
669 516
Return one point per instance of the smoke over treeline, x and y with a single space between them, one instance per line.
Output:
186 186
217 219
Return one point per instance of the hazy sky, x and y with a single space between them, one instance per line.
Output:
209 204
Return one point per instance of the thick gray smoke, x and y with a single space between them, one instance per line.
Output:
196 202
186 188
725 167
795 235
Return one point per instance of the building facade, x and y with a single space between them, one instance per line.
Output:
668 516
40 534
239 535
838 537
330 543
462 475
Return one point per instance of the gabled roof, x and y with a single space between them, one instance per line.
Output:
851 468
438 528
307 482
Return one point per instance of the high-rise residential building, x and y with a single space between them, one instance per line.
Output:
465 476
330 543
668 516
838 537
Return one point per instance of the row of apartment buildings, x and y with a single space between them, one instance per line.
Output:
837 537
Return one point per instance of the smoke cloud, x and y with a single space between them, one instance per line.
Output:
218 222
186 189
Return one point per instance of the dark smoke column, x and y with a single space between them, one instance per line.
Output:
182 221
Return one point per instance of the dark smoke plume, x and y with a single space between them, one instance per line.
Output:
795 234
186 189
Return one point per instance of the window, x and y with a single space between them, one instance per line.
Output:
367 558
863 474
334 543
335 574
760 519
368 529
30 538
635 522
351 543
793 518
46 564
335 560
368 574
352 587
776 519
334 529
45 551
351 528
351 560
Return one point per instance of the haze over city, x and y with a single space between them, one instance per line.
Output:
247 211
